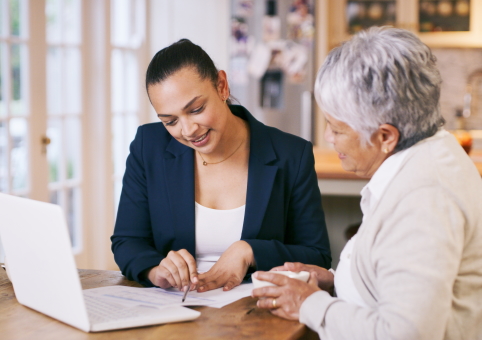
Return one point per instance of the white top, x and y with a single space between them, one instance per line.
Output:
216 230
371 193
344 285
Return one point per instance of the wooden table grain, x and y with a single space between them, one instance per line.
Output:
238 320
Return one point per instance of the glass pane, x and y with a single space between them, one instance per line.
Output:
72 211
121 23
54 149
72 81
118 145
130 129
362 14
444 16
3 157
55 197
3 4
19 165
71 21
117 193
117 81
54 81
131 83
3 108
138 25
18 64
15 17
53 13
72 148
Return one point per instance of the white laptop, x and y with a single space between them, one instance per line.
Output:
44 276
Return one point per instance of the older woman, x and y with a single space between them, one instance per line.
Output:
414 270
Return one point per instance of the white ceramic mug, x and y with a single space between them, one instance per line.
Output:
303 276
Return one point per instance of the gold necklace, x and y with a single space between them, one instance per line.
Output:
206 163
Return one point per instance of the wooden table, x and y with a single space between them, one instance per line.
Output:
239 320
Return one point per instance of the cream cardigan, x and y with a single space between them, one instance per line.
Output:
417 261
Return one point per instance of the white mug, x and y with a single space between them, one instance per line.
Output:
303 276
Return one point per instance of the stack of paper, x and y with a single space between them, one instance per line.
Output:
132 296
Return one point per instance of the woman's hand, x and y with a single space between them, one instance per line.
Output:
324 277
177 269
284 299
230 269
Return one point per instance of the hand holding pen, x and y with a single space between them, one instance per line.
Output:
178 269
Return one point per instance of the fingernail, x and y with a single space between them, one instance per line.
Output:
194 280
255 274
201 288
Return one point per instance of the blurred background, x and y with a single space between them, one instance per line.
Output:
72 87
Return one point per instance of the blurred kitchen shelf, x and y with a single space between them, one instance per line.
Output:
333 180
407 17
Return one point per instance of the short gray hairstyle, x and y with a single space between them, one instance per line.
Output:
383 75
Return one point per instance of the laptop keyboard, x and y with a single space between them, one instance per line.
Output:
100 311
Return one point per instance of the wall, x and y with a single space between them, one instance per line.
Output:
455 66
205 23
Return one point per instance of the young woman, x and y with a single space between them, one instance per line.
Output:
210 194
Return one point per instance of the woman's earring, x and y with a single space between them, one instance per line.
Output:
385 150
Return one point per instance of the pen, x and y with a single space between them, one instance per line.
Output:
185 292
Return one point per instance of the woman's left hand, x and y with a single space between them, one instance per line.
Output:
284 299
229 271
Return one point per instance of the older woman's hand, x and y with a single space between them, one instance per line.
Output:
284 299
324 277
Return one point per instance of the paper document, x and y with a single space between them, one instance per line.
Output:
133 296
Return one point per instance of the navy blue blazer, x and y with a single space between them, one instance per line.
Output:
283 220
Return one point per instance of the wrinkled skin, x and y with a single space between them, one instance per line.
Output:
290 293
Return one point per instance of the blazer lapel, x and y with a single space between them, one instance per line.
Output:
261 176
179 176
260 183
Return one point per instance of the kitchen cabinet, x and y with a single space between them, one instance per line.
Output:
407 16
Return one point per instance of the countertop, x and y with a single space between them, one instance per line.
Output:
328 166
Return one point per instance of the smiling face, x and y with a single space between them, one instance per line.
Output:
362 160
193 109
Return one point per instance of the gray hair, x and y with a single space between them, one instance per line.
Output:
382 75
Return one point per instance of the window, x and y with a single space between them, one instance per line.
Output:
64 108
14 113
127 37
